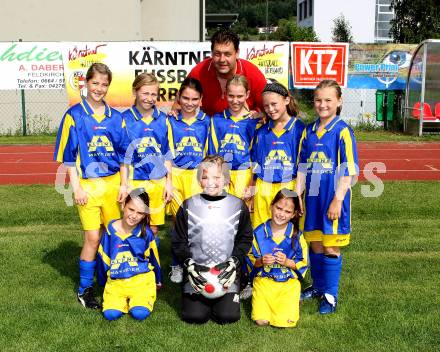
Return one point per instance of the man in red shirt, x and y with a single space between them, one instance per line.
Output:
214 72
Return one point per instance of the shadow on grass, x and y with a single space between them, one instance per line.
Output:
64 259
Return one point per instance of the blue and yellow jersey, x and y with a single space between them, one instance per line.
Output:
95 144
232 137
324 158
274 152
291 244
188 141
148 148
121 256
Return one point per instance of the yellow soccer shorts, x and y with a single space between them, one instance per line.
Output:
155 189
239 180
276 302
102 205
328 240
136 291
264 194
185 185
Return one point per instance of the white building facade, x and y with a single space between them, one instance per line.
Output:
369 19
102 20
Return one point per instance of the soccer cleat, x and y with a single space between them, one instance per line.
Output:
328 304
176 274
246 293
87 299
310 293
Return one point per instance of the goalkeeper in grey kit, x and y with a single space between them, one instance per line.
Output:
212 229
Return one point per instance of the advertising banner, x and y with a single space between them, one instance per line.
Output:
313 62
170 62
47 65
379 66
31 65
272 58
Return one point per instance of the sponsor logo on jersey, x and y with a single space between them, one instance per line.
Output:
231 138
190 142
100 142
121 258
278 155
99 128
148 142
319 158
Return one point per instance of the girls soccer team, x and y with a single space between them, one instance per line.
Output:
156 158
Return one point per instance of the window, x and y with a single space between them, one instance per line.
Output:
300 11
384 14
385 8
310 8
305 9
386 17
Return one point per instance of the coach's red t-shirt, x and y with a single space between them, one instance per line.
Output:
213 99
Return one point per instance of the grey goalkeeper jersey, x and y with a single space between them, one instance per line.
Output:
212 229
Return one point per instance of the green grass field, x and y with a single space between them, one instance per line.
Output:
389 295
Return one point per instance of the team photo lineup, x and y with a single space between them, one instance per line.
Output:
255 198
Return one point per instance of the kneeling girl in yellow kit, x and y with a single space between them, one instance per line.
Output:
128 261
279 257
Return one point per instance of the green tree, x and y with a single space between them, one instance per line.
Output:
415 20
288 30
341 32
254 11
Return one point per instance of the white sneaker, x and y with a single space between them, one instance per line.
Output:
176 274
246 293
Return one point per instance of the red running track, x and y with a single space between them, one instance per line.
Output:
32 164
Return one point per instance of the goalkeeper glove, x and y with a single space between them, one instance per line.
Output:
228 271
193 269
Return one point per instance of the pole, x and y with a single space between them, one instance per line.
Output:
267 17
23 107
23 111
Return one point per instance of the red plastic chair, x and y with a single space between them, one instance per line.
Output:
437 110
427 112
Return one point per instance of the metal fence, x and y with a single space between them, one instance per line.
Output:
40 111
31 111
358 106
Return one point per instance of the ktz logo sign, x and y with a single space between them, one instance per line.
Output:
313 62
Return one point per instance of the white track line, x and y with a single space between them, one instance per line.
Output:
32 162
432 168
361 159
31 174
408 160
25 153
375 171
388 170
